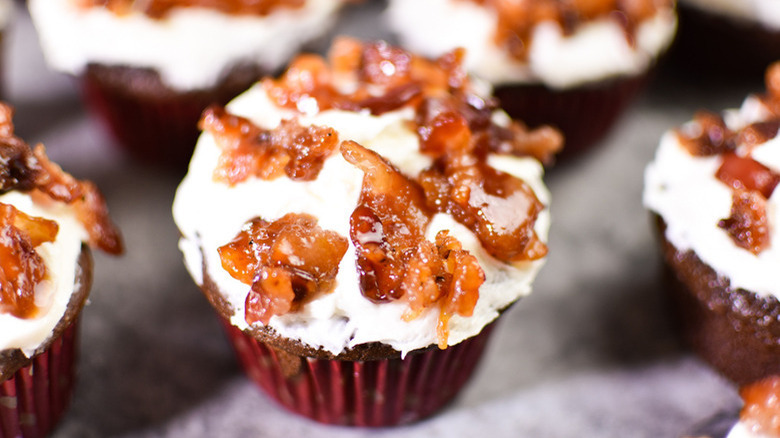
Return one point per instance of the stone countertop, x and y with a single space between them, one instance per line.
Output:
590 353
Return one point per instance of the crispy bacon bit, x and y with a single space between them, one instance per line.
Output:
394 259
21 267
387 225
287 262
517 19
748 225
741 173
772 98
499 208
761 411
757 133
442 274
30 170
709 136
247 150
160 8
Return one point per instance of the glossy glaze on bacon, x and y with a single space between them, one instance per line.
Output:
517 19
761 412
29 170
160 8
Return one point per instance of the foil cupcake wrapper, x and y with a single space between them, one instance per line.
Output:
584 114
361 393
33 400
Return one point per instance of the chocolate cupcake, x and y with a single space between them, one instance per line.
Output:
359 224
150 68
745 32
712 189
574 65
48 221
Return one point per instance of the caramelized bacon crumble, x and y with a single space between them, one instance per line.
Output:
287 263
21 267
455 127
761 411
160 8
751 182
517 19
247 150
29 170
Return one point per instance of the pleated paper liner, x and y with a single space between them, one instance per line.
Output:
152 122
34 399
373 393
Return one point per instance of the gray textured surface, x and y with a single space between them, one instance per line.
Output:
590 353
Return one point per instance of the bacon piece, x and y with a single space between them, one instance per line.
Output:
761 411
709 136
160 8
21 267
748 225
247 150
743 173
287 262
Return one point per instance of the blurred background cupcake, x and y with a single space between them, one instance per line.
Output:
727 39
359 224
6 11
574 65
149 68
713 190
48 222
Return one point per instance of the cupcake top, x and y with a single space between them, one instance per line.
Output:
376 197
764 12
46 216
760 416
713 183
558 44
190 43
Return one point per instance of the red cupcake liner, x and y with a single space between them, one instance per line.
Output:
362 393
33 400
156 131
584 114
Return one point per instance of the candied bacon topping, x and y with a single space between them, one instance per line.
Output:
287 262
394 259
21 267
743 173
160 8
247 150
761 411
707 136
517 19
748 225
30 170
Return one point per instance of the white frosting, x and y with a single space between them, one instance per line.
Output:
189 47
741 430
53 293
684 191
210 214
765 12
598 50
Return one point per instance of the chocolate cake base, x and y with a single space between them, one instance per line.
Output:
735 330
155 123
584 114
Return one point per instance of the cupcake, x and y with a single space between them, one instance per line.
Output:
746 32
712 189
149 68
49 222
359 224
6 11
575 65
